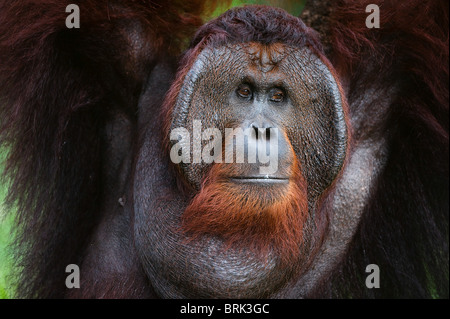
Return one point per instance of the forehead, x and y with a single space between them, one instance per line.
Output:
276 63
264 58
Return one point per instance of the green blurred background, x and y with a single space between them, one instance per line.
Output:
6 234
5 239
293 7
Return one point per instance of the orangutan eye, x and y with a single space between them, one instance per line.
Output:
277 95
244 92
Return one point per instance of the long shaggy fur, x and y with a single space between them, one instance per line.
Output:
56 88
404 228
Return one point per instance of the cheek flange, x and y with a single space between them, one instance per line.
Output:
317 127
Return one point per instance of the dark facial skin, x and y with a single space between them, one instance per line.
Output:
240 86
302 115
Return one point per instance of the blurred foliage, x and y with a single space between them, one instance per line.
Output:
293 7
6 235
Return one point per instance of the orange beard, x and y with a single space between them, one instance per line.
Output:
259 218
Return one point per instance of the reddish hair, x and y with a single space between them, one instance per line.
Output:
245 218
